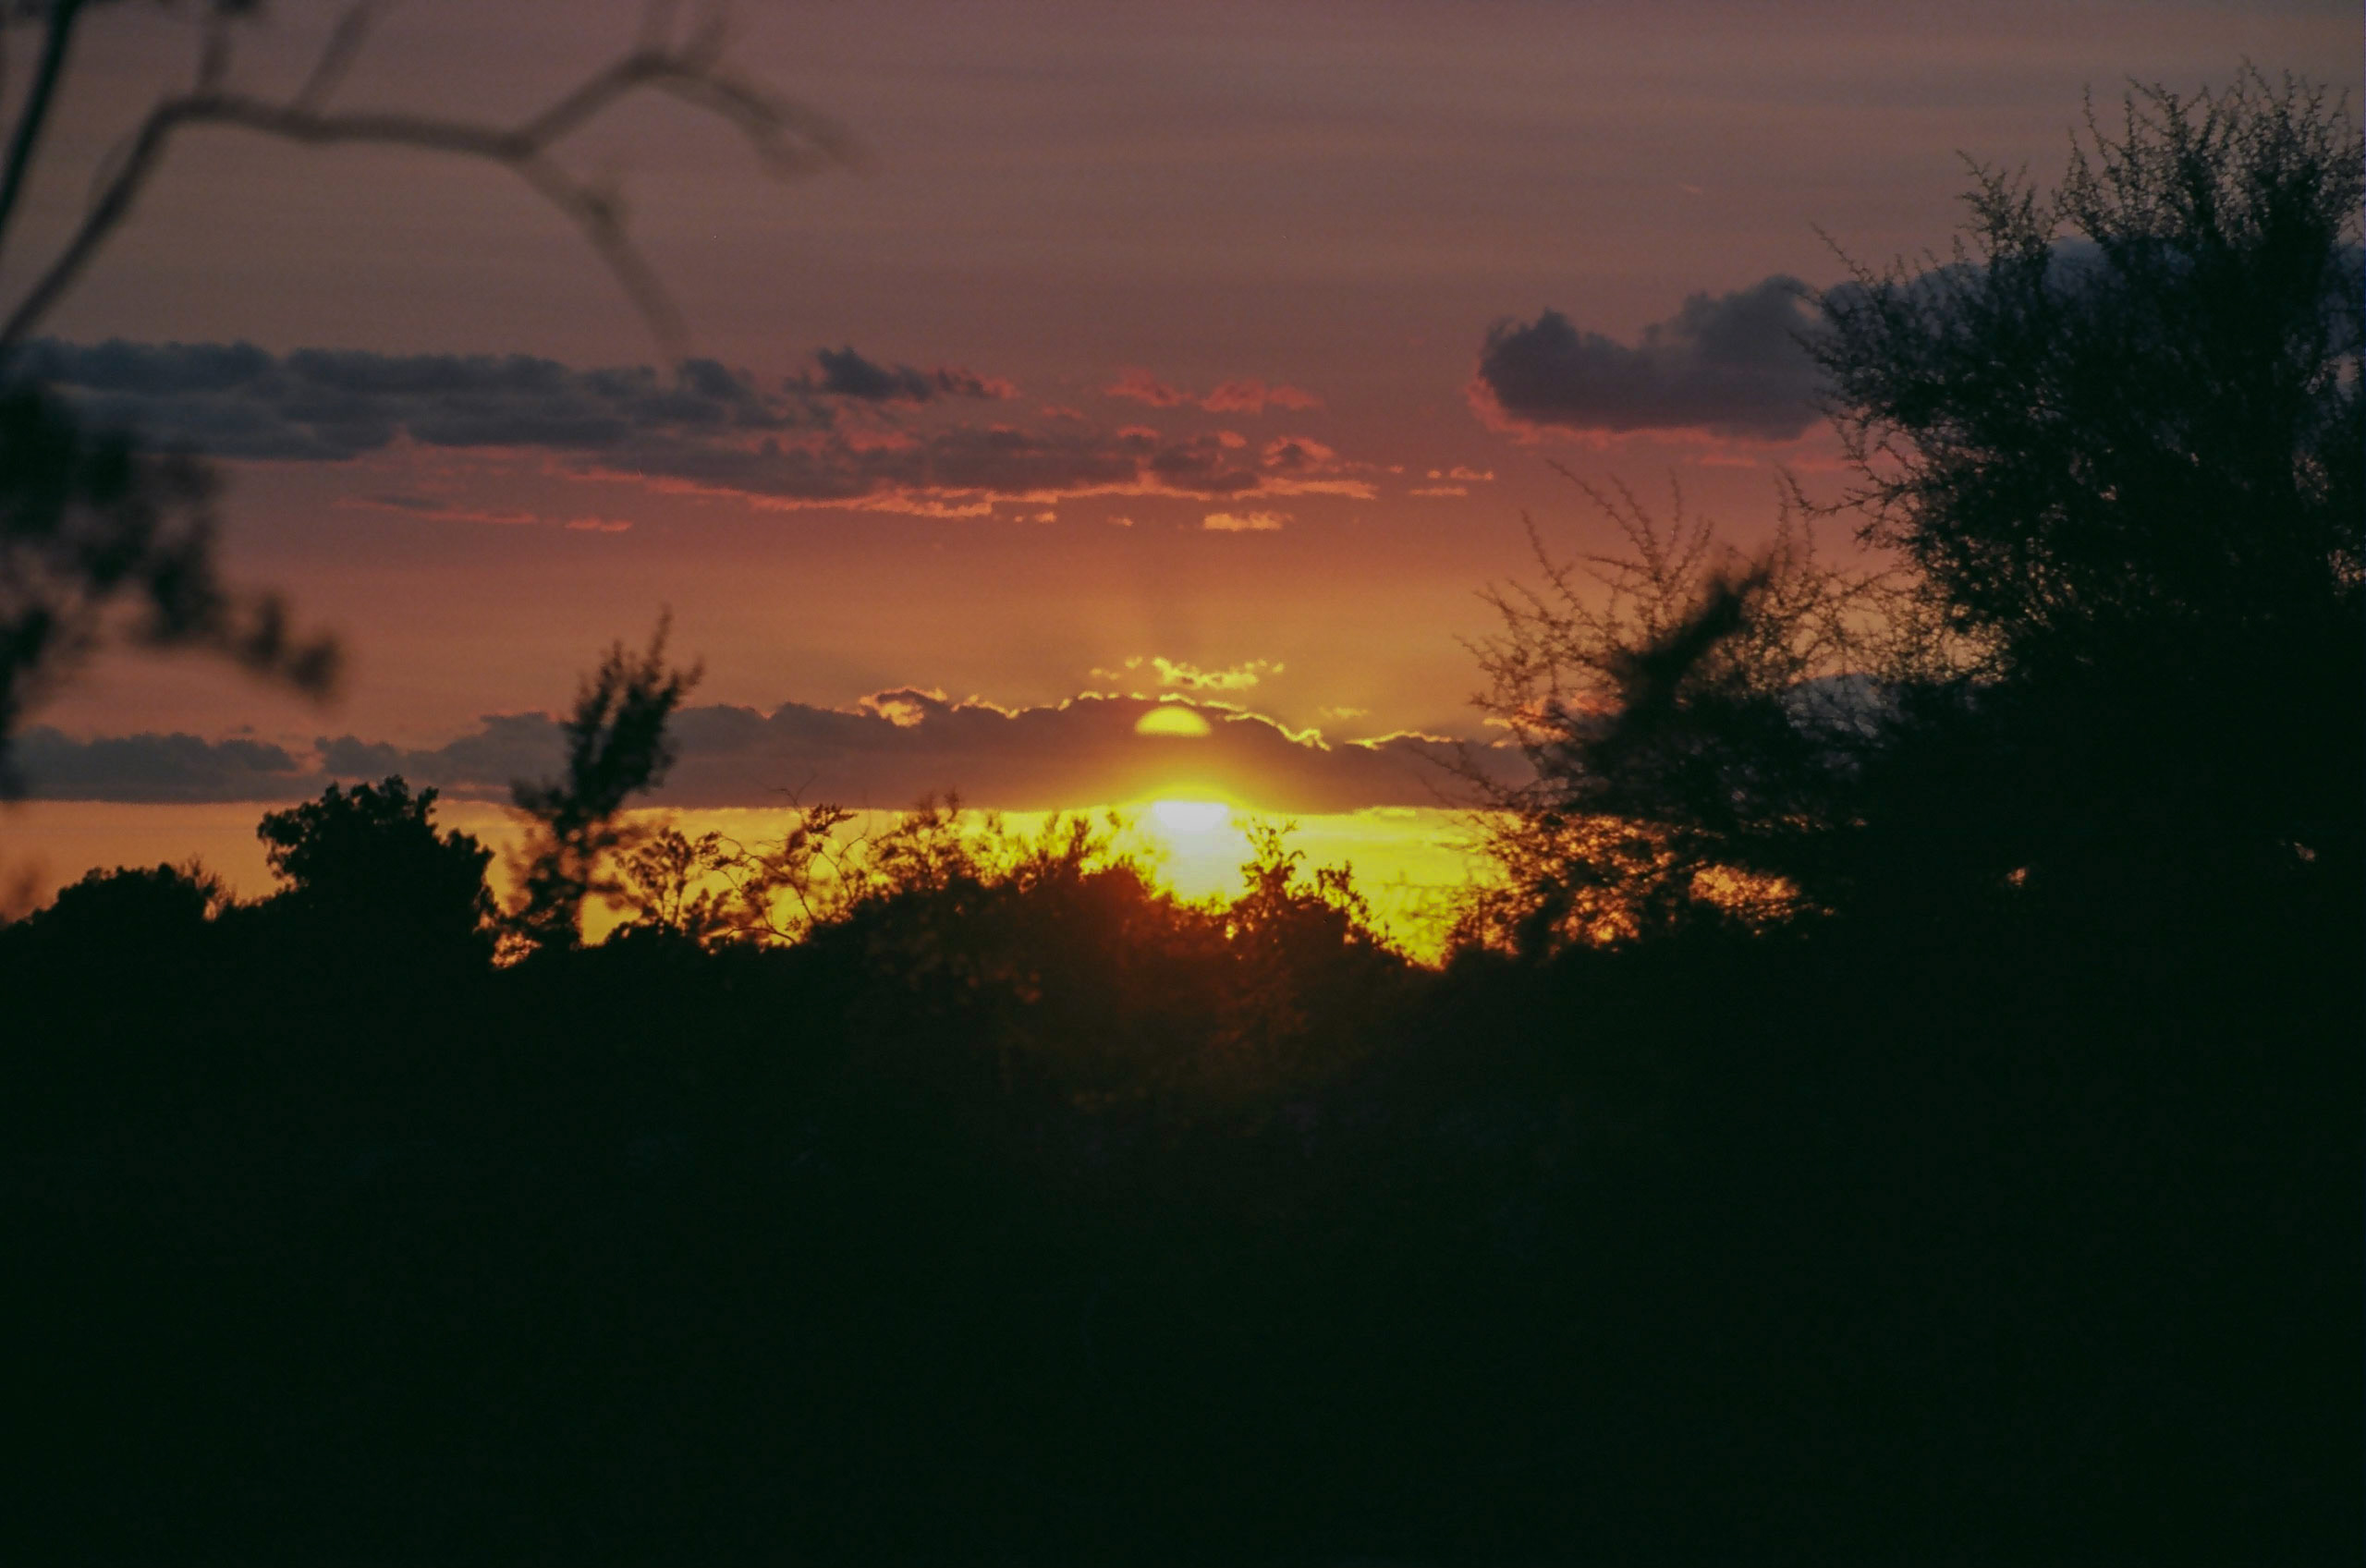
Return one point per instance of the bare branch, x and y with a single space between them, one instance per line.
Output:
213 52
35 114
601 217
337 55
788 138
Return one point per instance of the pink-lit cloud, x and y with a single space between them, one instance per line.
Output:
1247 394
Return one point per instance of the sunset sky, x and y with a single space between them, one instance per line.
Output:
1201 351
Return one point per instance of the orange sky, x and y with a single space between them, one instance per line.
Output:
1188 303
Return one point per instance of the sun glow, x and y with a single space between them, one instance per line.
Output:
1204 846
1182 818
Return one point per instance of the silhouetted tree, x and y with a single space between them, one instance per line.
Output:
2115 443
2119 435
367 865
714 888
130 911
1692 722
615 748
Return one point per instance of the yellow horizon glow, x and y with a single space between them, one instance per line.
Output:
1410 861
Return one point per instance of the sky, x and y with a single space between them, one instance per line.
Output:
1146 356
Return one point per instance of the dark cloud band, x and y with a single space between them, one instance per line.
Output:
162 768
849 435
1732 365
234 400
845 373
887 752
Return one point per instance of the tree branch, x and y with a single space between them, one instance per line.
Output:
788 138
337 56
62 15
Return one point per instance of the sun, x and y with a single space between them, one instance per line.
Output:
1183 819
1204 847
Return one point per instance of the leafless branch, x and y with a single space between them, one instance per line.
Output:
337 55
57 37
213 50
788 138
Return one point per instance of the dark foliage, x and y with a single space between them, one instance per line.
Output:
1019 1212
2119 438
153 909
615 748
1695 726
95 532
2113 448
367 867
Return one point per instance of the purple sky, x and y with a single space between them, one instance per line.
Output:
1226 272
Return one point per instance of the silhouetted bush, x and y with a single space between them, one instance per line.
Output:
367 867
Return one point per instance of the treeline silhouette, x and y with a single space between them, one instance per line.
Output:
1023 1212
1900 1103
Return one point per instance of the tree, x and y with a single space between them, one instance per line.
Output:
1691 720
615 748
2118 437
2113 444
2132 403
367 865
714 888
94 527
132 911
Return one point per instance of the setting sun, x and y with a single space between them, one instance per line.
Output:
1181 818
1204 846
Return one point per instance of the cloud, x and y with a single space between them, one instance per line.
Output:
1730 365
1249 396
845 374
967 469
1244 522
866 444
1246 395
429 508
1175 673
178 769
1299 455
886 751
1237 678
504 747
896 746
1142 388
234 400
